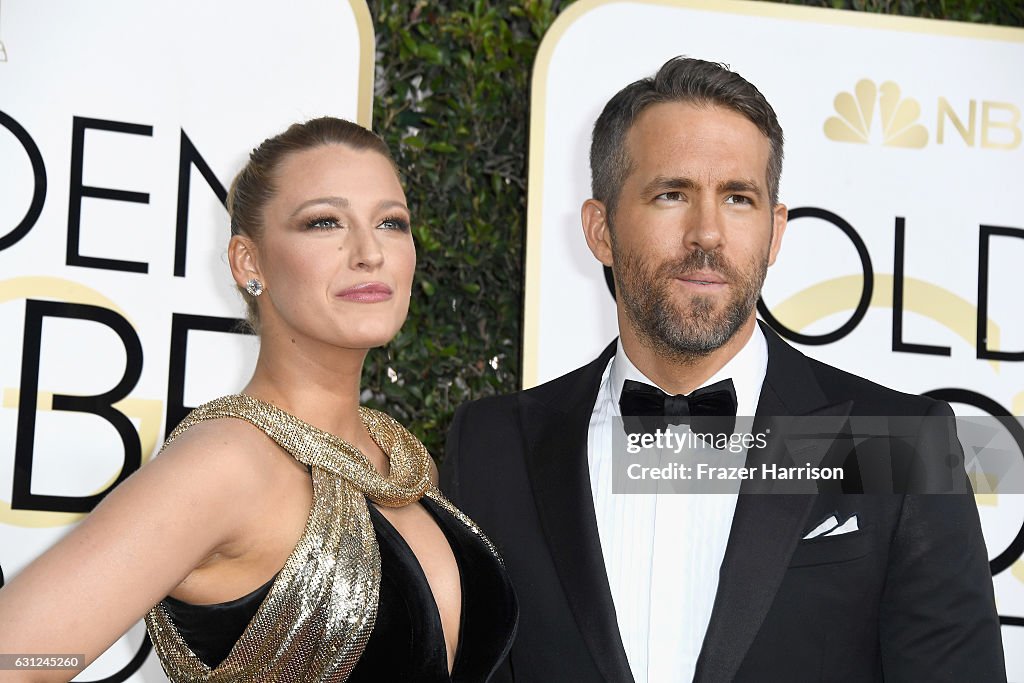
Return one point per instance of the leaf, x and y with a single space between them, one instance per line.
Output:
414 141
431 53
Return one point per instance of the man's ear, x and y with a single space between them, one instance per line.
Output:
243 258
597 230
779 216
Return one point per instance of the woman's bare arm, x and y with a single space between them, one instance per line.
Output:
132 550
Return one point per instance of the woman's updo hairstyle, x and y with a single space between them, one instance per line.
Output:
254 186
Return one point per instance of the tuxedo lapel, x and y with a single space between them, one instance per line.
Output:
555 420
766 527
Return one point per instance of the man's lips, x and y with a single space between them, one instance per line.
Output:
366 292
702 278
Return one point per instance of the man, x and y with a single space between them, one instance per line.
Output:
685 169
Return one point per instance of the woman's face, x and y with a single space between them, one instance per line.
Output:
336 256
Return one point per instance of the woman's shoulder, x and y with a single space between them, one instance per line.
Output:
237 413
226 448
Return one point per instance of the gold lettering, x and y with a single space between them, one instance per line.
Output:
967 133
987 124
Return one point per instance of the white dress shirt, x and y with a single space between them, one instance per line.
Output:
662 552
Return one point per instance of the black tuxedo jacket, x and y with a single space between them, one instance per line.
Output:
908 597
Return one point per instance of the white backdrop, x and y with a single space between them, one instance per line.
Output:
889 122
121 123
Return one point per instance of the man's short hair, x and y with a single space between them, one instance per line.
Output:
685 80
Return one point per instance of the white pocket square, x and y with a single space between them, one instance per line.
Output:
832 527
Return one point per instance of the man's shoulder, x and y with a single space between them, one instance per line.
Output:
805 380
498 405
554 394
869 397
507 405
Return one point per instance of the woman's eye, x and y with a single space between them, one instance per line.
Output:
324 223
399 224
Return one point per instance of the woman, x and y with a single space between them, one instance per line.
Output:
286 533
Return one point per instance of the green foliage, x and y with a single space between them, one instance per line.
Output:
452 102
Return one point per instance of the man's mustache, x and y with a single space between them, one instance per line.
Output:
699 259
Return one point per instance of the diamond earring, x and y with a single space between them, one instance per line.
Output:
254 287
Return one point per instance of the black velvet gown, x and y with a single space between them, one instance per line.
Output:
407 642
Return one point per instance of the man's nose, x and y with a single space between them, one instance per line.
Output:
704 226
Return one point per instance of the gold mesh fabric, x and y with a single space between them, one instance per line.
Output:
314 623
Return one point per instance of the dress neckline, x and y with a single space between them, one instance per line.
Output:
435 613
408 461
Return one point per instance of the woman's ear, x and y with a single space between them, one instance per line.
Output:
243 258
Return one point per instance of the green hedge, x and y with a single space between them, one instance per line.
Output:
452 101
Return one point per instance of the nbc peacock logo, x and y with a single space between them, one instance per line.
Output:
856 113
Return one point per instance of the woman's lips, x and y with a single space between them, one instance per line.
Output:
366 293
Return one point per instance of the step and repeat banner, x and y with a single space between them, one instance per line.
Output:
903 175
121 126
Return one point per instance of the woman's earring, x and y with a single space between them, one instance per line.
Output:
254 287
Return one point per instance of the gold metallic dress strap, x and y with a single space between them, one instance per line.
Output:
314 623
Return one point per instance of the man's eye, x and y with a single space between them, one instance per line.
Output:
738 199
671 196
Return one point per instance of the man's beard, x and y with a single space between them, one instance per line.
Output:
685 334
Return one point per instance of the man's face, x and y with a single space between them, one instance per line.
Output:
692 236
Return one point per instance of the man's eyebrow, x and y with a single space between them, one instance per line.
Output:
663 183
749 186
337 202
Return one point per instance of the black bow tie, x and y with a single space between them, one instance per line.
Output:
698 409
